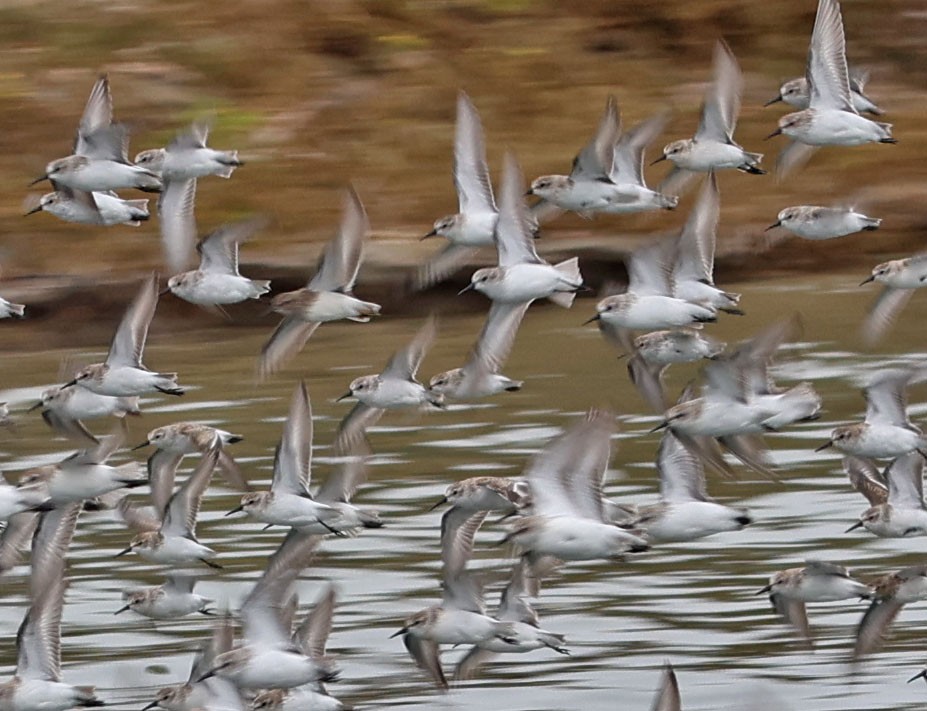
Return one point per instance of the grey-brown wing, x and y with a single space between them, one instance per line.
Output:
286 341
471 663
865 478
427 656
883 312
442 265
129 341
15 538
73 429
98 113
405 362
341 258
177 223
353 428
793 612
792 157
874 627
594 161
667 698
162 470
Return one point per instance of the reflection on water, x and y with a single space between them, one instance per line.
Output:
693 604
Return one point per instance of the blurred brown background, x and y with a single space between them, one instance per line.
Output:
315 94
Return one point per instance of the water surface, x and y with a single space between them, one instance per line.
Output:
692 604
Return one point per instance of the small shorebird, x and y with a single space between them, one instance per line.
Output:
886 432
123 374
896 498
713 146
329 294
818 581
889 594
394 388
526 632
172 539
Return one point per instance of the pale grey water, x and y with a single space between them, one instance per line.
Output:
692 604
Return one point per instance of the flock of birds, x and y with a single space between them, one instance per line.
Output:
556 512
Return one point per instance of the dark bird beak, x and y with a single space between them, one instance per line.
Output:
922 675
777 132
165 290
69 384
529 192
35 407
658 160
597 317
235 510
207 675
440 502
402 631
430 234
345 396
773 226
468 287
152 705
37 208
139 446
867 280
856 525
662 425
39 180
123 552
121 610
774 100
827 445
763 591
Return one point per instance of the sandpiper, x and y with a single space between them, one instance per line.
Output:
123 374
329 294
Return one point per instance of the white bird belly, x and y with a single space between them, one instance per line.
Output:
694 519
462 627
212 289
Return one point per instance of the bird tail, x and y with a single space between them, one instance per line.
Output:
572 278
230 160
